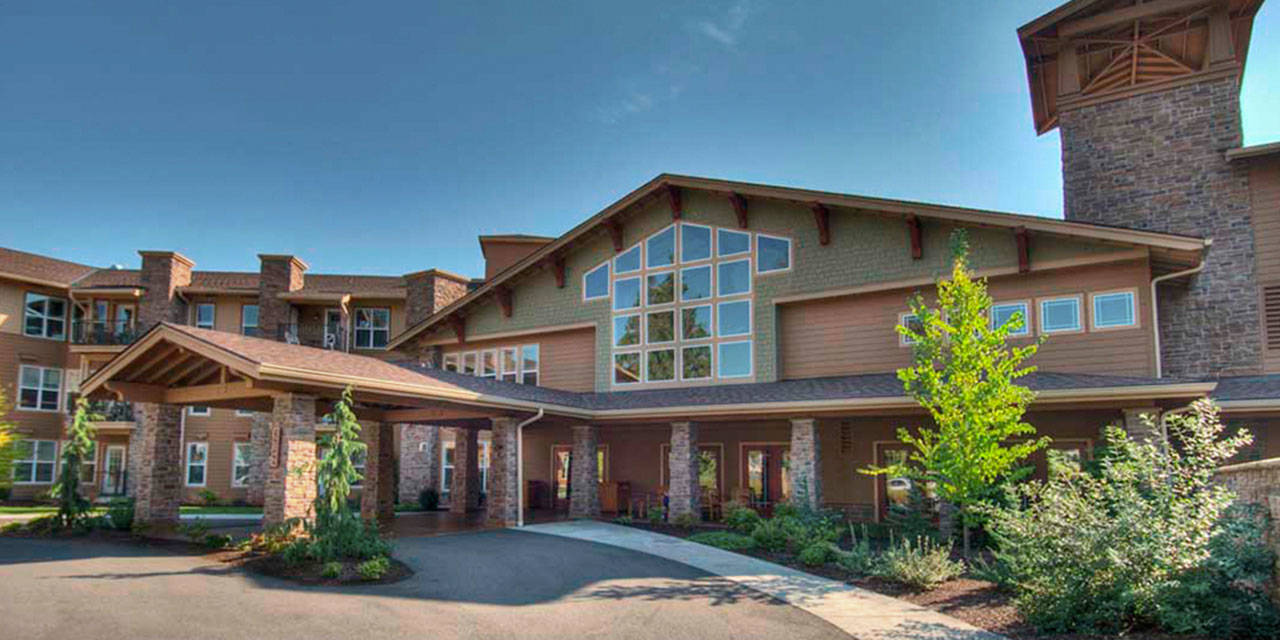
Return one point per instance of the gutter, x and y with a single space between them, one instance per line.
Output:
1155 307
520 464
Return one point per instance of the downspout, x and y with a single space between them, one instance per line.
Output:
520 464
1155 309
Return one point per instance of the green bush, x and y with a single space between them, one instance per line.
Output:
374 568
655 516
923 564
623 519
296 553
120 512
685 520
724 540
859 559
217 541
331 570
195 531
770 535
429 499
208 497
816 554
741 519
805 527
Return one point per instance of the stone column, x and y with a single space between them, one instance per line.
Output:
419 460
259 450
158 487
806 463
1143 424
503 499
291 460
685 493
465 493
377 493
584 499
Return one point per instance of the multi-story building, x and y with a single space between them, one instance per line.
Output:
703 340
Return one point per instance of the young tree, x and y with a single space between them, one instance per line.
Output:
965 375
73 507
8 438
336 471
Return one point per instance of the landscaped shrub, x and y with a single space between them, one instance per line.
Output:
742 519
686 520
770 535
120 513
374 568
195 531
208 497
807 527
429 499
816 554
655 516
217 541
1134 543
859 559
623 519
331 570
724 540
920 564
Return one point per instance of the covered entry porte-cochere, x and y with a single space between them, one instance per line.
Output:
291 388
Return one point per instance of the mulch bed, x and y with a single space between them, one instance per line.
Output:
977 602
308 573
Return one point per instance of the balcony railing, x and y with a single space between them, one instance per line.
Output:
104 332
106 410
314 334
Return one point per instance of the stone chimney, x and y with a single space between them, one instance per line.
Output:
278 274
162 273
429 291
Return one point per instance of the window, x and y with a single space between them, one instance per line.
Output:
660 248
529 357
34 461
733 278
1114 310
199 411
1002 313
734 318
45 317
695 362
731 243
627 261
470 363
626 368
626 294
661 289
772 254
197 463
660 327
482 461
1059 315
595 284
912 322
510 364
88 465
241 455
244 413
735 359
358 461
488 364
695 322
39 388
660 365
451 362
626 330
205 314
695 243
249 319
695 283
373 328
446 469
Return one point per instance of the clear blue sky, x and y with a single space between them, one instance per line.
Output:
384 139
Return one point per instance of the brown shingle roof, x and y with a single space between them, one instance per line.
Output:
106 278
390 286
224 279
37 267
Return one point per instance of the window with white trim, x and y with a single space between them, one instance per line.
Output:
373 328
451 362
595 283
912 322
530 355
735 359
509 364
244 413
488 364
446 469
34 461
1060 315
359 461
88 464
1003 312
44 317
249 319
470 363
199 411
39 388
206 314
628 261
773 254
660 248
197 463
1115 310
241 459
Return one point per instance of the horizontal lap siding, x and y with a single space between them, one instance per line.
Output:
1264 187
219 430
855 334
567 358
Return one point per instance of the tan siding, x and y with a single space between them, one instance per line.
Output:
1264 191
855 334
219 430
567 358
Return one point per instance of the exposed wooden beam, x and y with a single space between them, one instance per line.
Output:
739 208
459 328
135 392
504 300
822 218
913 227
615 232
673 198
1068 70
198 366
182 359
429 415
215 392
1024 252
1127 14
155 360
1221 50
557 267
205 375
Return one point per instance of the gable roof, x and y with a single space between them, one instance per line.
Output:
38 269
1180 248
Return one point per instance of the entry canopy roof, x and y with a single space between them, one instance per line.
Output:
178 364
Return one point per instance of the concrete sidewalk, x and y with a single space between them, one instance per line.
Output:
857 612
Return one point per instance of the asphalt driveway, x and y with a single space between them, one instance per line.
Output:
493 584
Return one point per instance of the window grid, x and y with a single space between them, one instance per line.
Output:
34 461
197 463
44 316
241 456
39 388
515 363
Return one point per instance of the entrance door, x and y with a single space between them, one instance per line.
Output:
561 472
113 471
767 478
333 334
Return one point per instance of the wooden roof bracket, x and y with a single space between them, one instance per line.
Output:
673 197
504 300
459 325
739 208
615 232
913 226
822 218
1024 252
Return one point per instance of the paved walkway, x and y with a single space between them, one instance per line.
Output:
858 612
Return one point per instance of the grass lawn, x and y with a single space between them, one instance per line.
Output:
219 510
27 509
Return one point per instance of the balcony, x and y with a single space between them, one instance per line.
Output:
104 332
106 410
321 335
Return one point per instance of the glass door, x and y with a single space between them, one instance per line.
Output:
113 471
767 476
333 333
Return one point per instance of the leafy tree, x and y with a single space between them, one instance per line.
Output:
965 375
73 508
8 438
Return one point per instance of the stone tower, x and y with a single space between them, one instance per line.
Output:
1146 96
